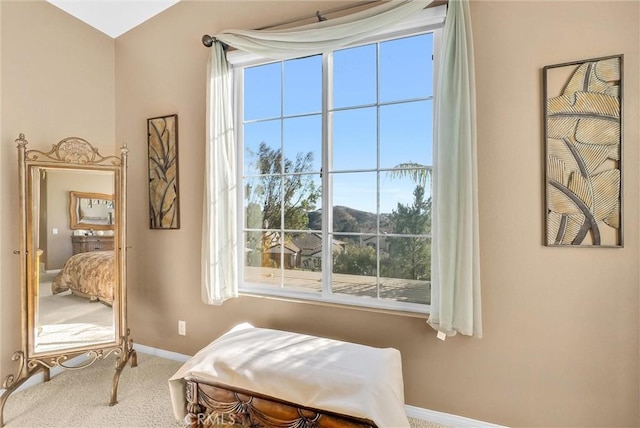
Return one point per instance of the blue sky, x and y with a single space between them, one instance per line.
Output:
274 92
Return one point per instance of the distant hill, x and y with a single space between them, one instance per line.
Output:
348 219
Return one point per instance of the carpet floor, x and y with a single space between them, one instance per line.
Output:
79 398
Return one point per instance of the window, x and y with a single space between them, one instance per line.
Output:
335 164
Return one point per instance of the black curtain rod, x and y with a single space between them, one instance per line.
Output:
208 40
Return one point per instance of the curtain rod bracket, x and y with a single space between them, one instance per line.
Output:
208 41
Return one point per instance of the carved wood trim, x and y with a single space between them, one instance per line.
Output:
211 405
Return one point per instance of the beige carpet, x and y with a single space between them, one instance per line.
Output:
79 398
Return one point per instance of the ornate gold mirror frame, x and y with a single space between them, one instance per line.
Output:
72 154
76 200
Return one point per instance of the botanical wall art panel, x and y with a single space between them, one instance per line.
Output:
583 133
164 212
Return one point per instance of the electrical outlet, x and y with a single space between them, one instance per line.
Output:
182 328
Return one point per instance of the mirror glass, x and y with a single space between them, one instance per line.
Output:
89 210
74 274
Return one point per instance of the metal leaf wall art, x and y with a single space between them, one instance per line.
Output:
583 129
163 172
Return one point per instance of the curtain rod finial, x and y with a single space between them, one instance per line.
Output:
207 40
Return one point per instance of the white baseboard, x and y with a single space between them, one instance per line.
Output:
169 355
412 411
447 418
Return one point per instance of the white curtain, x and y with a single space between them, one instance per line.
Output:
321 36
220 229
219 221
455 273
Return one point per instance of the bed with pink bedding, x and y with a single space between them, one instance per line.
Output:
90 275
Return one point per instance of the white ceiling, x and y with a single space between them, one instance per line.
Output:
113 17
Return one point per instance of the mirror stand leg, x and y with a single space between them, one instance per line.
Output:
12 383
122 362
134 358
7 392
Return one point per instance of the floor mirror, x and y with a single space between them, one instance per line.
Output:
72 262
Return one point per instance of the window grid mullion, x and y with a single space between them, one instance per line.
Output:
282 203
327 200
378 170
343 171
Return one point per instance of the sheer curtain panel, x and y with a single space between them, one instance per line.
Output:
219 220
455 292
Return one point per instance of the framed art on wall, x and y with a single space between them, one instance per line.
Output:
164 209
583 152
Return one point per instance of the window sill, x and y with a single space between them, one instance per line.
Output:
421 312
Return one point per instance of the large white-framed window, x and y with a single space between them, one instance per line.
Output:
334 164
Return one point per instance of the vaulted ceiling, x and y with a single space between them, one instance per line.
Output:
113 17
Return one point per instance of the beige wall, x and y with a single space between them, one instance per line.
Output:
57 81
3 205
562 333
561 325
567 352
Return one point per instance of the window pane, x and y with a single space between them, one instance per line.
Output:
354 79
406 134
406 68
303 195
262 91
354 139
262 147
303 85
406 290
310 245
355 266
349 220
262 258
403 196
303 143
406 270
356 195
303 262
263 202
342 242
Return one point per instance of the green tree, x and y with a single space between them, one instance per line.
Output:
281 180
356 260
418 173
410 257
282 183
